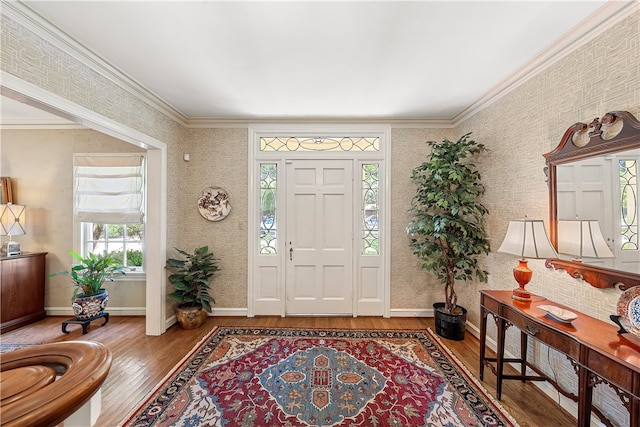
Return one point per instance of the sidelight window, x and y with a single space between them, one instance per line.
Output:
268 218
629 204
370 229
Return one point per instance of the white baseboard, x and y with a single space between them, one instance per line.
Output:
222 312
113 311
411 312
237 312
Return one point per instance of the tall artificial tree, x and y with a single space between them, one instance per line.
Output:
447 226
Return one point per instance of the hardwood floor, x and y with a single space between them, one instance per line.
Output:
140 362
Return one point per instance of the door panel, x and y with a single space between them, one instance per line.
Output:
582 194
319 225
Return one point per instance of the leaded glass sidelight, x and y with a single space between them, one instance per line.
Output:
629 204
370 228
320 144
268 218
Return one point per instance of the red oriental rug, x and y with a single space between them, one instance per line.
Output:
298 377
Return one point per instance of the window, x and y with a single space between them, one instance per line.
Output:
109 206
319 144
370 228
629 207
268 194
123 240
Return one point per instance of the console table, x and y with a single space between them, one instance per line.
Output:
597 352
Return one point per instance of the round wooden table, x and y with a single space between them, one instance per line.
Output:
45 384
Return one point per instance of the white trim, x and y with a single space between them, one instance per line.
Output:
34 124
411 312
383 156
34 22
598 22
156 219
592 26
113 311
207 123
386 236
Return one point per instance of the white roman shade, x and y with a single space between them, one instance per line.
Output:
109 188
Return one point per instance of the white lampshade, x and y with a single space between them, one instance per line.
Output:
582 238
12 220
527 238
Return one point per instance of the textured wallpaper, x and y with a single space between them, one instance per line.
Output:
518 128
602 76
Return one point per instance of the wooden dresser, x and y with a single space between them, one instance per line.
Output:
22 279
596 351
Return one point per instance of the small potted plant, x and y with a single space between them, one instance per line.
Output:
447 224
89 298
191 280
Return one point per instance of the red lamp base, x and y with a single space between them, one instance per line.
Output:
522 274
521 295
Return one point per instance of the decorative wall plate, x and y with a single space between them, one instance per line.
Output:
625 300
634 312
559 314
213 203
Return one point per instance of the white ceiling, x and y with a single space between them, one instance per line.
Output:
356 60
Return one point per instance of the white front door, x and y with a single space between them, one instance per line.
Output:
319 222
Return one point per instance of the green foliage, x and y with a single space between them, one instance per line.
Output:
447 220
191 277
134 257
91 272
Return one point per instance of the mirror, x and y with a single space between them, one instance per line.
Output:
593 176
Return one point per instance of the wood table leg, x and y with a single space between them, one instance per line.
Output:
483 339
585 391
500 356
523 355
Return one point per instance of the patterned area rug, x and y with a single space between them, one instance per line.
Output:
296 377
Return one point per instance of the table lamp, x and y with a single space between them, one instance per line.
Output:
582 238
526 238
12 223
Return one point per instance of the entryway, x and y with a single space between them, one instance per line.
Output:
318 221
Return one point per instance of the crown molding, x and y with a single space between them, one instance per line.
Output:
589 28
601 20
39 124
34 22
205 123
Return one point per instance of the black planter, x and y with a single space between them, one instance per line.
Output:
450 326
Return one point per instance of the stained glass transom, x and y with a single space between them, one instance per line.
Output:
629 204
370 229
268 218
320 144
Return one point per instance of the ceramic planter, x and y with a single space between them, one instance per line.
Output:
88 307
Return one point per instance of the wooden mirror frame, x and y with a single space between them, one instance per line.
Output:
567 151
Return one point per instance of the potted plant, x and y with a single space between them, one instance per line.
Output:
447 224
191 278
89 298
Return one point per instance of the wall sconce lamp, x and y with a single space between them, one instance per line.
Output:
526 238
12 223
582 238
